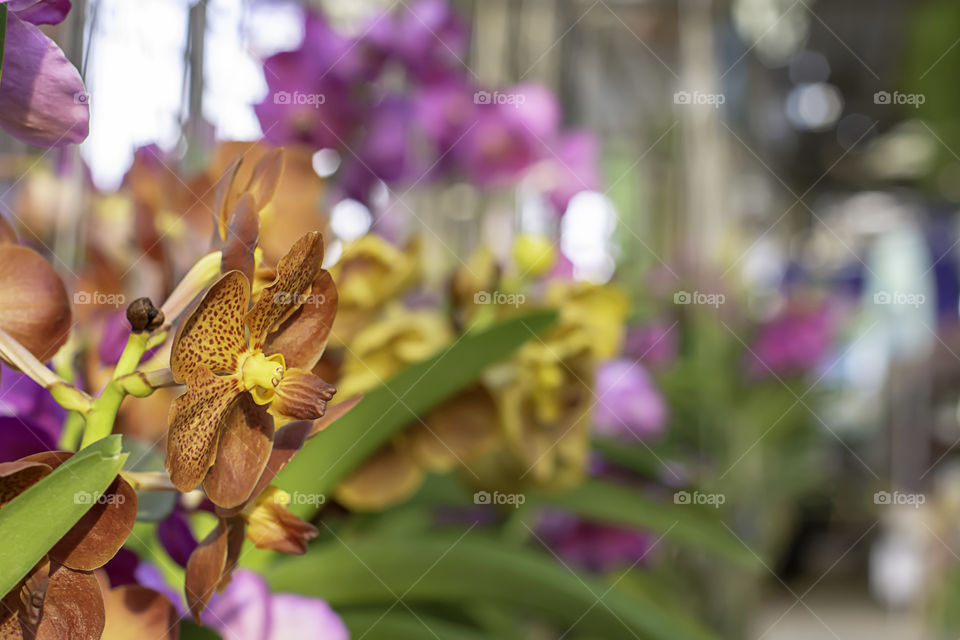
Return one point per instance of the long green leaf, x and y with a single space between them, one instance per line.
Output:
400 624
689 524
451 569
330 456
34 521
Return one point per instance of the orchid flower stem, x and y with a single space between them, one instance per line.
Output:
67 395
72 431
101 418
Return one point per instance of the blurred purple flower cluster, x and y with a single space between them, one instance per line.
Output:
795 341
400 105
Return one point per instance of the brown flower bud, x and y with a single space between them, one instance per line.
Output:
143 316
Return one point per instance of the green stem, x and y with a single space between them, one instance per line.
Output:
72 431
100 420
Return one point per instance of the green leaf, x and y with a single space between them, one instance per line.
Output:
400 624
335 452
472 569
3 33
691 525
34 521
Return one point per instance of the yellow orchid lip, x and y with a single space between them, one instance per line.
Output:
260 374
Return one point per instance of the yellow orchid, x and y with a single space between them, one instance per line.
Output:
370 273
450 434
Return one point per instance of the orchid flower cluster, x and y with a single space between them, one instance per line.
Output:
242 337
401 107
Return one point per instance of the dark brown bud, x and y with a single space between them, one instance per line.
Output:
143 316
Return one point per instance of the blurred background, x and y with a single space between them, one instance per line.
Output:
774 184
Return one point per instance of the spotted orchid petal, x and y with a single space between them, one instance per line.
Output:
296 273
195 420
212 338
302 395
246 439
34 307
302 339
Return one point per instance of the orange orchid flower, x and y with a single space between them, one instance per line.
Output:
244 367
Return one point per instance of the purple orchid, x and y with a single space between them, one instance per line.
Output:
42 97
654 344
308 91
430 40
631 407
30 421
795 341
246 610
591 545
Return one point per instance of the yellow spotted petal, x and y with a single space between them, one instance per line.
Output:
195 419
295 275
212 338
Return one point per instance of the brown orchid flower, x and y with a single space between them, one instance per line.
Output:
60 597
244 368
34 308
263 519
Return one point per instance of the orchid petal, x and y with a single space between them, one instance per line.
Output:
34 308
386 478
241 240
195 419
245 441
72 606
295 274
102 530
133 611
42 98
212 338
205 570
40 11
302 395
302 339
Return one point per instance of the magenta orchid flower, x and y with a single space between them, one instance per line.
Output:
42 98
